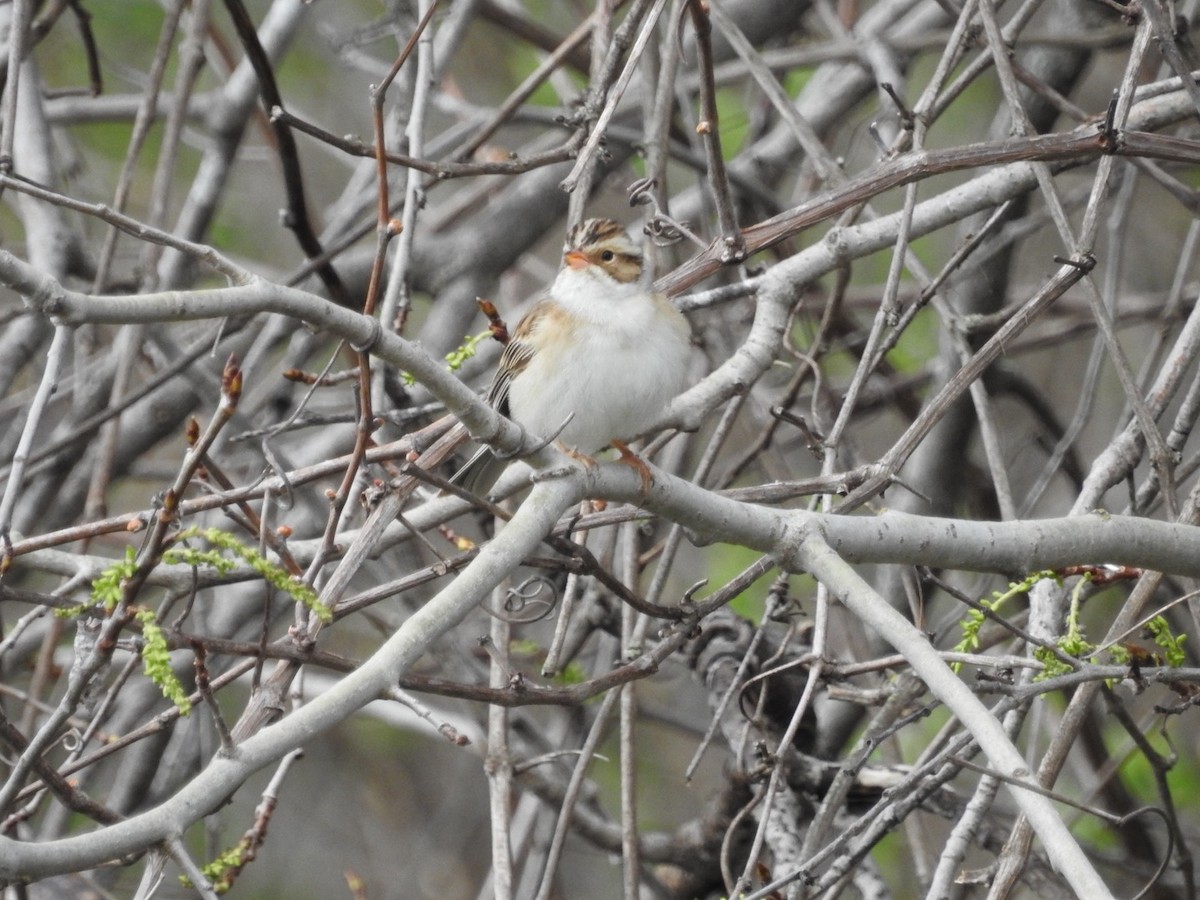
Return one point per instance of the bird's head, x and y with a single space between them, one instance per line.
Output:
603 249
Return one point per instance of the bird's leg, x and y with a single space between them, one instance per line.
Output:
638 465
559 471
628 457
588 463
578 455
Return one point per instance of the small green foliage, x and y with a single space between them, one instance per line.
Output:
107 586
456 357
971 626
198 559
222 870
572 674
975 618
1052 666
466 350
1172 646
156 661
1073 643
106 589
271 573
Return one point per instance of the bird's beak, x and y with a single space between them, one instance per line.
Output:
576 259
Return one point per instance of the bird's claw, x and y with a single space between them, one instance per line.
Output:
638 465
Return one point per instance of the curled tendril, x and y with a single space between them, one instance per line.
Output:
640 192
528 602
663 231
1166 857
660 228
72 740
527 592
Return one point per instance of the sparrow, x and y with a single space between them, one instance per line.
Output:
594 362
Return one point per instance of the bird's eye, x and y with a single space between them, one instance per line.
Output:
607 256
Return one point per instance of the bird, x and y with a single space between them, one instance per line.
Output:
595 361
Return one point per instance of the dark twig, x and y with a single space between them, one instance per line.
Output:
71 796
732 246
296 217
204 688
42 26
1074 147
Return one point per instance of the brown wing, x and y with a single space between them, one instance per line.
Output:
517 354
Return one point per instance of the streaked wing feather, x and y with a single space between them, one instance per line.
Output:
517 354
482 470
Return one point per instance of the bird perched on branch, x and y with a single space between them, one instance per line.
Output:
593 363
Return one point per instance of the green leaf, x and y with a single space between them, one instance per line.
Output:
220 871
1171 645
270 572
106 589
156 662
972 623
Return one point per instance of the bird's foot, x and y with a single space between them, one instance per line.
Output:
564 470
636 463
578 455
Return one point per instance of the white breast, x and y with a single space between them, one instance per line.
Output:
613 374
